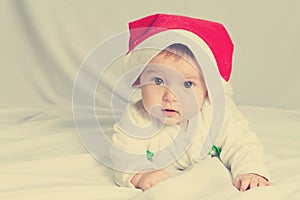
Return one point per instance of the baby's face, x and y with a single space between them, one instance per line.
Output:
172 89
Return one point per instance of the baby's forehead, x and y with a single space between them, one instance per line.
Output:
161 64
166 55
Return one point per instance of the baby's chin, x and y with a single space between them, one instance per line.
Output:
171 122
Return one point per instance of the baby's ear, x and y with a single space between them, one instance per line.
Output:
136 83
206 97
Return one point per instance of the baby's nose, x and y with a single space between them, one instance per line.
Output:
169 96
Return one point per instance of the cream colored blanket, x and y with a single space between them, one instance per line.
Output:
43 44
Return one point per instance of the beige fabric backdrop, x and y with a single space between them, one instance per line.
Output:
43 44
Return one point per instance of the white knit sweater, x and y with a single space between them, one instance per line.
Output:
241 150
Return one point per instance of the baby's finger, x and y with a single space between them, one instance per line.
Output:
145 186
237 183
254 182
263 182
268 183
244 184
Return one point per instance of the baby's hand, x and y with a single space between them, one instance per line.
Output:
145 181
248 181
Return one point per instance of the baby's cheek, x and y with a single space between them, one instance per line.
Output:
189 105
151 105
146 104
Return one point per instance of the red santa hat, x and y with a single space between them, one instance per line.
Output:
211 45
212 33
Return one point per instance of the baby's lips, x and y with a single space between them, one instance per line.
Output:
170 110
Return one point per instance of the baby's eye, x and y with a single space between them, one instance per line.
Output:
188 84
158 81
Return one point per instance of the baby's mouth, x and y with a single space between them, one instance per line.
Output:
170 112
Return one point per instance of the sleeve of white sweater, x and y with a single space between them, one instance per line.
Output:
242 151
129 145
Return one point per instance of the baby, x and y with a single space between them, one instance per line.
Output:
174 96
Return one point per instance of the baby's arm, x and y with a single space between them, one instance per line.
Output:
147 180
248 181
242 152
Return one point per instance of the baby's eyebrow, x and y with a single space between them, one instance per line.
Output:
191 76
153 71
